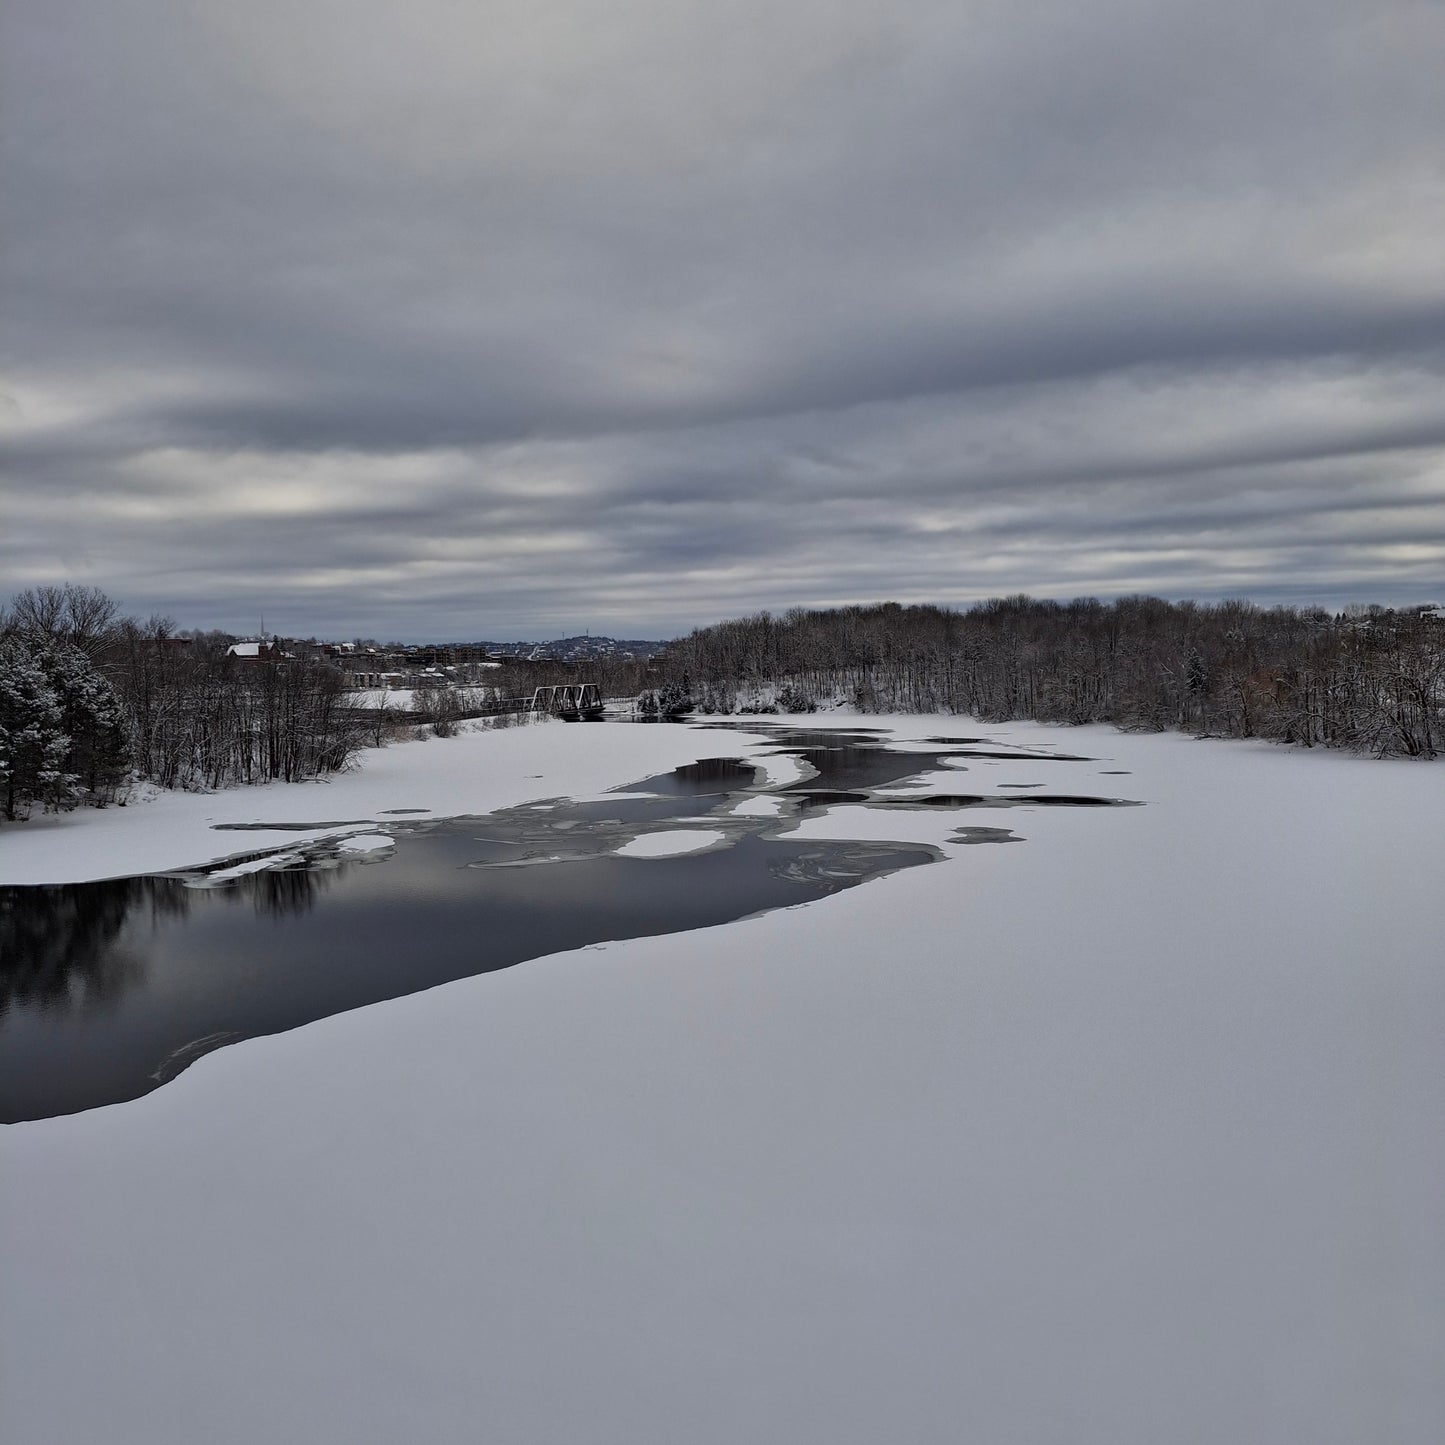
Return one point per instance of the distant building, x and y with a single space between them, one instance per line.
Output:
252 651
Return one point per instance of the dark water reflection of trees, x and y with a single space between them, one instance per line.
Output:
62 947
282 892
58 945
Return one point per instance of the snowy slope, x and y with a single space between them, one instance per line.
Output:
1125 1134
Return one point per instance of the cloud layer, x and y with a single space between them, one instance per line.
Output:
508 319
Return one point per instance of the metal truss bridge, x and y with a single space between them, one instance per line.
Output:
573 702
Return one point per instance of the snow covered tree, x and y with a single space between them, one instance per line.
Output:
63 730
662 704
33 744
92 717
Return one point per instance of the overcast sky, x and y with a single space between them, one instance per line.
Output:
505 318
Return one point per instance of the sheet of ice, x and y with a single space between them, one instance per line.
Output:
671 844
761 806
879 825
469 773
780 771
367 843
1126 1134
251 865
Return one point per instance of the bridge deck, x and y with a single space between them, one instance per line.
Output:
570 701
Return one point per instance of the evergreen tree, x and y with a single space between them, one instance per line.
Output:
93 718
33 744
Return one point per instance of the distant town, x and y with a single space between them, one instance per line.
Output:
372 664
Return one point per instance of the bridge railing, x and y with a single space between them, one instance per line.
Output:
567 700
580 699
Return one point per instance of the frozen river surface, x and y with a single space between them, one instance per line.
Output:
110 989
1125 1132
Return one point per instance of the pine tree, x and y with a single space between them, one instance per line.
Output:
33 744
93 718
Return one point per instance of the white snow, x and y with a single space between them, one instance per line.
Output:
671 844
251 865
396 698
470 773
367 843
761 806
779 772
1127 1133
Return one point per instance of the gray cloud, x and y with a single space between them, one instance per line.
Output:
498 319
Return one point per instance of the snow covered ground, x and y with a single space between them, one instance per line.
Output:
399 698
1129 1133
474 772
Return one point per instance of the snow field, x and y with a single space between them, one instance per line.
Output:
1126 1134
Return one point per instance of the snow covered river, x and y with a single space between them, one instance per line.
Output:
109 989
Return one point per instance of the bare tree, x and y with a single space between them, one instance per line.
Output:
80 616
1372 680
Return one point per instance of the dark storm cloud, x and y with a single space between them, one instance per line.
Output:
512 317
449 400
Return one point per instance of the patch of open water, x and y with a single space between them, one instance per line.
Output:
110 989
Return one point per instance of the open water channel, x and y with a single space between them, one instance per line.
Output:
110 989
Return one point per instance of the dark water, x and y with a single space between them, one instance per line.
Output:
848 763
979 800
852 761
109 989
705 778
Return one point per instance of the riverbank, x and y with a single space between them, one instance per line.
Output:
473 772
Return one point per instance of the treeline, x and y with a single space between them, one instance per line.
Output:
1371 680
89 699
614 676
203 719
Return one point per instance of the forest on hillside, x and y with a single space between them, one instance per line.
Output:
91 700
1372 679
